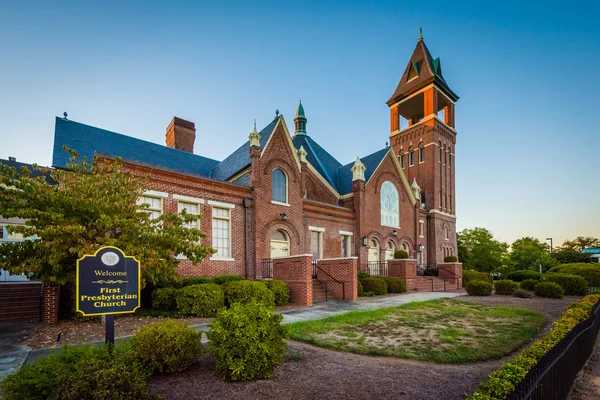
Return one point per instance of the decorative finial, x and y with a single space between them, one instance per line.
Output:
65 114
254 136
386 144
302 154
420 33
358 170
276 113
255 124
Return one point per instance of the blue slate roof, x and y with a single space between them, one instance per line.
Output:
344 173
323 162
88 140
240 159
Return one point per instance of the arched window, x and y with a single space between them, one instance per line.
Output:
389 251
446 233
279 186
390 205
405 247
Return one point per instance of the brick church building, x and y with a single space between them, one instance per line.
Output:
281 194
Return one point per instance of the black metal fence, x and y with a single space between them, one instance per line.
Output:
553 376
314 269
378 268
267 268
427 270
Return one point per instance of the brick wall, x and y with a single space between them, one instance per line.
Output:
20 302
296 271
331 271
451 271
50 303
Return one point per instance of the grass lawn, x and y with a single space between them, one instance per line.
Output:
443 330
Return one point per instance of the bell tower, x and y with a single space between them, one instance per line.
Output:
423 136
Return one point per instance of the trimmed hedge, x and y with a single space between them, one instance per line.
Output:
375 285
165 299
522 293
521 275
280 289
450 259
79 372
590 272
506 287
248 291
362 274
469 276
203 300
400 254
166 347
501 383
361 289
548 289
529 284
479 288
573 285
394 284
195 280
219 280
247 342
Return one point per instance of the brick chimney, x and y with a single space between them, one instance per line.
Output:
181 135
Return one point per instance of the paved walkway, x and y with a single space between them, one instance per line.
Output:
319 311
12 354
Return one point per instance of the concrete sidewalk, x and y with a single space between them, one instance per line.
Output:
12 354
318 311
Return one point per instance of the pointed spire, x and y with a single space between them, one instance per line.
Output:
358 170
254 136
300 120
302 154
415 189
420 34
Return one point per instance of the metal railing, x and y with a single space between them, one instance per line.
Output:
378 268
427 270
267 268
553 376
315 268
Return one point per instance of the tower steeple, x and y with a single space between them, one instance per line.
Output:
300 120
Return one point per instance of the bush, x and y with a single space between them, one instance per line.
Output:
469 276
521 275
362 274
247 342
400 254
394 284
505 287
590 272
522 293
219 280
501 383
361 289
195 280
450 259
248 291
200 300
573 285
166 347
165 299
529 284
376 285
78 372
479 288
280 290
548 289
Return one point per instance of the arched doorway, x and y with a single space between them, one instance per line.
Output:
389 251
280 244
373 258
406 248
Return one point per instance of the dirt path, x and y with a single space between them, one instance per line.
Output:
587 383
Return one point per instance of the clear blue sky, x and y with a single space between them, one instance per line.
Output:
527 73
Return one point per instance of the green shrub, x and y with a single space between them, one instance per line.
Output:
394 284
400 254
522 293
573 285
479 288
469 276
505 287
248 291
368 294
200 300
590 272
362 274
503 381
361 289
450 259
166 347
529 284
195 280
548 289
521 275
165 299
219 280
247 342
78 372
281 291
376 285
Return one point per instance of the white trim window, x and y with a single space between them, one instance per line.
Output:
279 186
221 232
154 205
6 236
190 208
346 245
390 205
316 244
421 228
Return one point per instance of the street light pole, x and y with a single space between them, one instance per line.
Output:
550 239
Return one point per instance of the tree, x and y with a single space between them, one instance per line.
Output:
567 255
581 242
478 250
90 206
530 253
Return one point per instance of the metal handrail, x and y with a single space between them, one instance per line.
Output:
343 284
454 276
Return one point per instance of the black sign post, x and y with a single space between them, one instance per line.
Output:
108 283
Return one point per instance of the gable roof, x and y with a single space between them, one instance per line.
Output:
34 173
319 158
88 140
428 71
240 159
371 162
